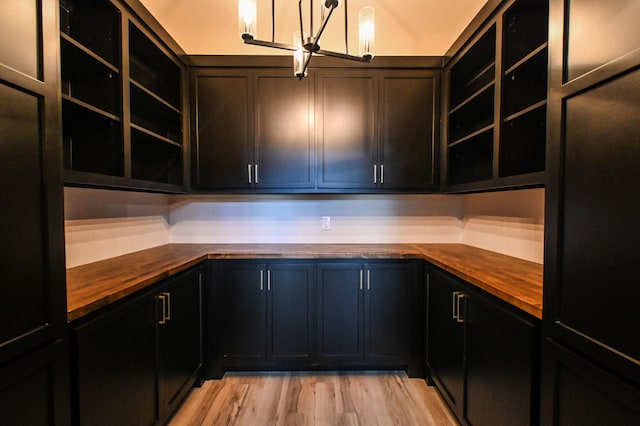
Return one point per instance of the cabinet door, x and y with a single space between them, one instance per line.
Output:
32 307
222 154
116 366
244 288
347 105
284 144
35 389
500 373
445 351
408 124
179 339
340 304
386 315
290 320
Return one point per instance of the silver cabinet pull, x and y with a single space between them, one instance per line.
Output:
375 173
268 279
168 305
361 279
162 299
459 297
454 298
255 175
382 173
368 279
261 280
249 172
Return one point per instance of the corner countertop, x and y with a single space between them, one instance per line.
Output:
95 285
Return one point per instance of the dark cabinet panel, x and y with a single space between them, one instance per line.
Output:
481 356
290 322
387 312
599 32
223 154
244 312
584 393
407 130
347 135
340 306
115 366
34 390
179 340
445 341
500 350
284 142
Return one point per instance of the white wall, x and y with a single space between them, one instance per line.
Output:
298 219
101 224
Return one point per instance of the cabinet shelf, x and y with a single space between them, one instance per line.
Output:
154 135
94 25
526 25
154 160
481 91
92 141
528 57
472 159
525 85
152 69
88 78
79 103
471 136
154 96
523 144
474 115
147 112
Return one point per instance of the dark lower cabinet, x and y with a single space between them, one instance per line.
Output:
135 362
580 392
481 355
267 314
299 314
34 390
179 340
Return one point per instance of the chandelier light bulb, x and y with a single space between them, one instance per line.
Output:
247 19
299 55
366 20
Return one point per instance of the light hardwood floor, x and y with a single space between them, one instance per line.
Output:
314 398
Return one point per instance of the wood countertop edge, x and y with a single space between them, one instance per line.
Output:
409 251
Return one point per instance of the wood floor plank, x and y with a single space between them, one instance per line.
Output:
314 399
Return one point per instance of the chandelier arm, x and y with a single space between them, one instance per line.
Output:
321 30
343 56
273 20
306 65
310 16
272 44
301 26
346 26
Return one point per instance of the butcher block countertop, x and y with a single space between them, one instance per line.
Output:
95 285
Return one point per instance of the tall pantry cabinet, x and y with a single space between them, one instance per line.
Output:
33 348
591 293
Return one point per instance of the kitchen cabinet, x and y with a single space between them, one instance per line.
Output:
135 362
253 130
363 313
256 129
377 129
33 347
590 296
122 112
267 313
495 113
481 355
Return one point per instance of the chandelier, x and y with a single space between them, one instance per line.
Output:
306 44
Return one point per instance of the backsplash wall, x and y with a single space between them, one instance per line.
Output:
102 224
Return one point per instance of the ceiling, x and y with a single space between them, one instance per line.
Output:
403 27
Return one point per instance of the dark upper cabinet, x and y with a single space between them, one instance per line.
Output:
33 350
347 133
338 130
377 129
267 312
253 130
494 123
590 296
481 355
122 105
